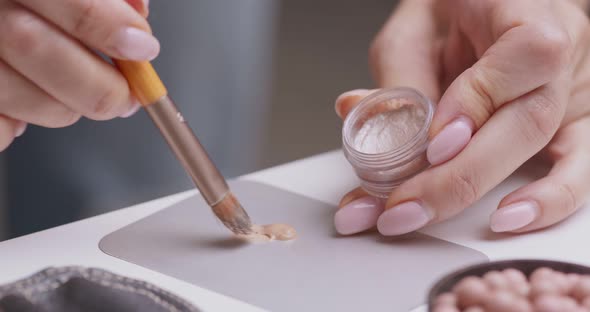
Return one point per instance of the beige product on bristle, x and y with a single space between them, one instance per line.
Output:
147 87
232 214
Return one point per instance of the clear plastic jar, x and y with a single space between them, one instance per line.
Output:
385 138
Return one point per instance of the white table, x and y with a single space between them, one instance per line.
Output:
323 177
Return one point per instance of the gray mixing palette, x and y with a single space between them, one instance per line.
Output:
320 271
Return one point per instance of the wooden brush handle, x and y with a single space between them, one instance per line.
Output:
143 80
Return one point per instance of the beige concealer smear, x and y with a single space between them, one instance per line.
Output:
271 232
257 233
282 232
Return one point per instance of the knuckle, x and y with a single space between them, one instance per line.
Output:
105 106
375 51
479 86
567 196
67 119
83 23
21 31
463 188
376 46
384 46
552 45
541 119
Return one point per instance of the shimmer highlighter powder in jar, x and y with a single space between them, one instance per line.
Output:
385 138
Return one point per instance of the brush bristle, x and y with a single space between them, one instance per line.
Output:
231 213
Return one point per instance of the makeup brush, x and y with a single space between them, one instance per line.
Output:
148 88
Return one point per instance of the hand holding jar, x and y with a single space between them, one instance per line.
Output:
511 79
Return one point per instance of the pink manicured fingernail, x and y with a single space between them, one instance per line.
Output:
136 106
20 129
136 44
403 218
359 215
450 141
356 92
514 216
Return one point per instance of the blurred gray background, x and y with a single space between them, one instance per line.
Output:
256 80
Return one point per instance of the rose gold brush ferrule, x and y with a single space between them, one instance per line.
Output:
148 88
188 150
